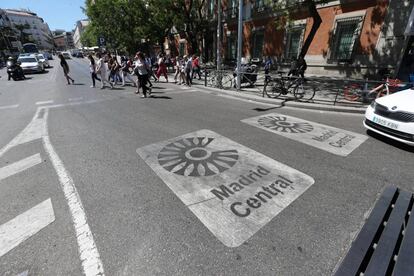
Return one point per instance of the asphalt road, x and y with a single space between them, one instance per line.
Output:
107 209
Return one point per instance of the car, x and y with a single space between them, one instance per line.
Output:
66 55
31 64
48 55
393 116
44 60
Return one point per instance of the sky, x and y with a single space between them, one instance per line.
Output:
58 14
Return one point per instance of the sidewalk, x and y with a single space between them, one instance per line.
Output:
325 99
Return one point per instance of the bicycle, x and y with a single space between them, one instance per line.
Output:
220 79
275 87
355 92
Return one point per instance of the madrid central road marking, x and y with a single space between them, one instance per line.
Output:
233 190
334 140
25 225
20 166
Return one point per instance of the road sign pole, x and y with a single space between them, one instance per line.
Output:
239 44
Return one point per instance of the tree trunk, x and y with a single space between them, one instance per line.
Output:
315 26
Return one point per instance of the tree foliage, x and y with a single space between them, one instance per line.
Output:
128 23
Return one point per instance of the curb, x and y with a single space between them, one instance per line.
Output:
280 103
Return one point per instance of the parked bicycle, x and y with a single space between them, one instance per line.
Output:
220 79
282 85
359 91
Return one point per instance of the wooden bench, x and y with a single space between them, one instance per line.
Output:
385 244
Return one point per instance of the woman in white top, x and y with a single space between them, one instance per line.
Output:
101 69
142 69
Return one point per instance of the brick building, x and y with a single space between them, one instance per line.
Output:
356 38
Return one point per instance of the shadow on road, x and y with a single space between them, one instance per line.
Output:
390 141
160 97
282 104
78 84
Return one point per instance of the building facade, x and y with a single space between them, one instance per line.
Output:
9 42
355 39
80 27
34 26
63 40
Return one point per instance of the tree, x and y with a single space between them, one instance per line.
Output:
24 37
120 22
89 36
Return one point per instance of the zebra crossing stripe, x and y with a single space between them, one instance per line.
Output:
20 166
22 227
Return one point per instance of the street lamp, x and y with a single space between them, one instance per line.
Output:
239 43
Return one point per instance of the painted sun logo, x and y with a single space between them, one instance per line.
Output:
280 123
192 157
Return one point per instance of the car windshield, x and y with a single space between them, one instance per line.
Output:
27 60
40 56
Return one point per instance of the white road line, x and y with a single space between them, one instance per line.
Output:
31 132
9 106
20 166
75 99
44 102
25 225
88 251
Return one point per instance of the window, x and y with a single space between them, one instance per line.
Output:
345 34
294 37
211 7
257 44
181 50
232 47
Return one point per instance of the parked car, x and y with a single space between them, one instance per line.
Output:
393 116
45 61
48 55
31 64
66 55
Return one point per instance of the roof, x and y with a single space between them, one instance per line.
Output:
21 12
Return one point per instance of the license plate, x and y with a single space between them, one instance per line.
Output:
385 123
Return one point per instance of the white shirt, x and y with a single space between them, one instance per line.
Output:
101 66
141 66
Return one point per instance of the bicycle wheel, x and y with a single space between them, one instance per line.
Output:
303 93
352 92
211 81
272 89
226 81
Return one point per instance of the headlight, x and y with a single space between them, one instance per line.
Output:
373 104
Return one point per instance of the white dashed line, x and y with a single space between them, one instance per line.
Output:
75 99
9 106
20 166
25 225
44 102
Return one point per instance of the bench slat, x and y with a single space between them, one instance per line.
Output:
405 260
356 254
384 253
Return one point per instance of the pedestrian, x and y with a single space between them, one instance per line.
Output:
177 69
151 71
182 70
124 70
142 68
162 68
101 69
187 70
65 67
196 67
92 68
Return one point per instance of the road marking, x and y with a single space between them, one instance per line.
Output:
8 106
31 132
88 251
331 139
233 190
20 166
25 225
44 102
75 99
